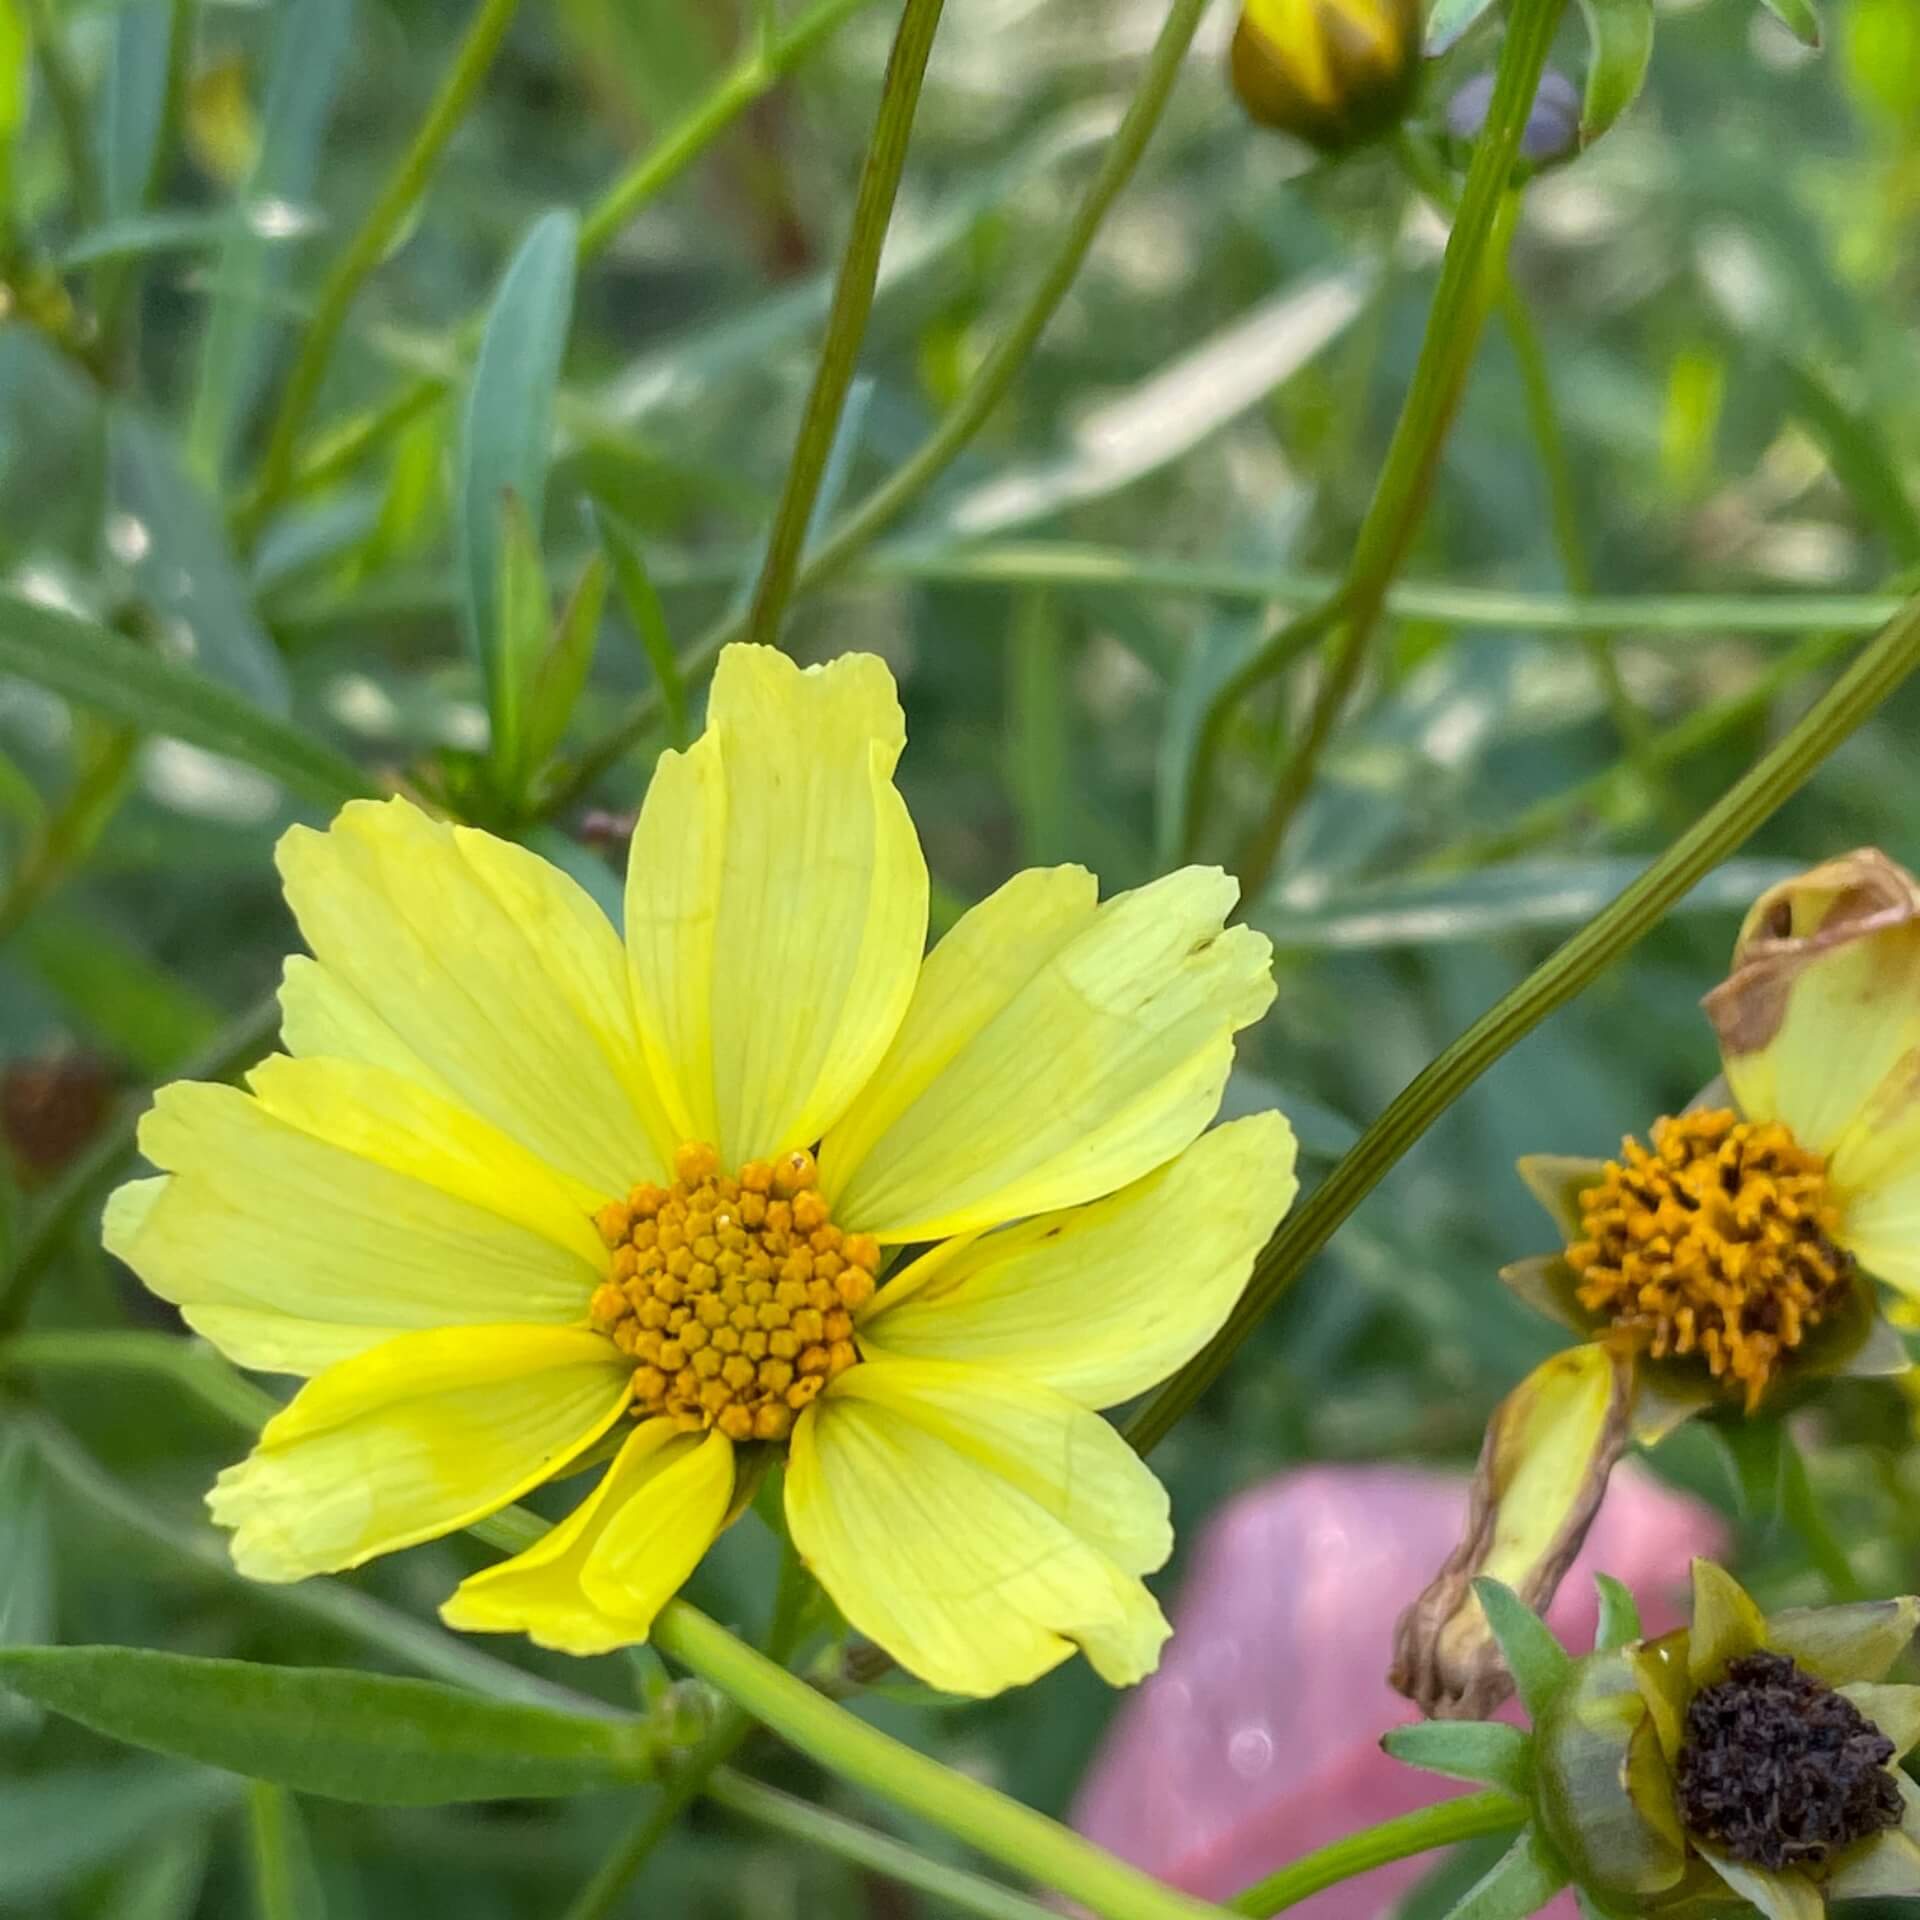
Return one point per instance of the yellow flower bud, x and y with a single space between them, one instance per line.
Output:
1334 73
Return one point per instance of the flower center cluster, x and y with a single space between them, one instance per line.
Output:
1717 1240
734 1295
1781 1771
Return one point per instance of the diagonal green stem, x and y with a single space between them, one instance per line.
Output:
1440 1825
984 392
1019 1838
847 320
1469 280
368 248
1881 667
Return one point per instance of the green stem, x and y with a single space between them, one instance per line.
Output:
970 412
878 1853
69 835
1469 279
277 1866
847 320
1016 1836
601 1895
69 100
1805 1515
1881 667
196 1369
368 247
757 72
1440 1825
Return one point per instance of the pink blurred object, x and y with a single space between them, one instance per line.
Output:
1257 1741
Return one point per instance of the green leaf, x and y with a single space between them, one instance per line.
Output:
168 533
1526 1877
524 616
133 104
348 1736
1799 17
1754 1451
309 53
642 602
1538 1662
54 1826
1619 1615
504 450
1448 22
1619 51
1862 459
569 658
1489 1751
118 997
108 673
164 1879
16 68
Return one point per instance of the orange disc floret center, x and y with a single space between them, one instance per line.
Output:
1717 1241
734 1294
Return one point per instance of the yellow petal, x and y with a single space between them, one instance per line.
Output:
1104 1301
1726 1623
1879 1201
776 902
1054 1052
1856 1642
426 1433
488 966
1894 1710
1887 1867
597 1580
1780 1896
291 1252
966 1563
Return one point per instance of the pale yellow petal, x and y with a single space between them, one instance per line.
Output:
1103 1301
597 1580
1779 1896
970 1581
1841 1056
1895 1710
492 969
290 1252
321 1017
1726 1624
1876 1185
776 902
419 1436
1887 1867
1054 1052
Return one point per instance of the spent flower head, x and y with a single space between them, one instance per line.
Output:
1722 1266
518 1201
1743 1761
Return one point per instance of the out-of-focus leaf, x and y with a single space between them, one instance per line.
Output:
1518 896
20 799
1858 452
284 1880
26 1564
569 658
120 999
523 620
16 68
1039 770
168 534
133 104
345 1735
110 674
164 1880
55 1825
1882 48
505 443
1449 20
1619 49
1800 18
309 52
142 235
642 602
1755 1453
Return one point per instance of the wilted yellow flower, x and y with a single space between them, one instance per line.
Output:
1334 73
520 1201
1724 1264
1745 1761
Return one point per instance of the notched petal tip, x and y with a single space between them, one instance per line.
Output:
1791 925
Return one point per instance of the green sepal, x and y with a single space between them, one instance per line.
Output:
1489 1751
1619 1615
1540 1665
1521 1882
1557 1181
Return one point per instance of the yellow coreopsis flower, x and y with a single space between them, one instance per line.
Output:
1721 1266
519 1199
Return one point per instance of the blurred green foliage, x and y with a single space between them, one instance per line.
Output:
1723 289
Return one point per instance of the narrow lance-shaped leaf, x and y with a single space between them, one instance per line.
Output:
504 449
1619 1615
642 601
569 659
1800 18
133 104
1489 1751
1619 50
109 674
346 1735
